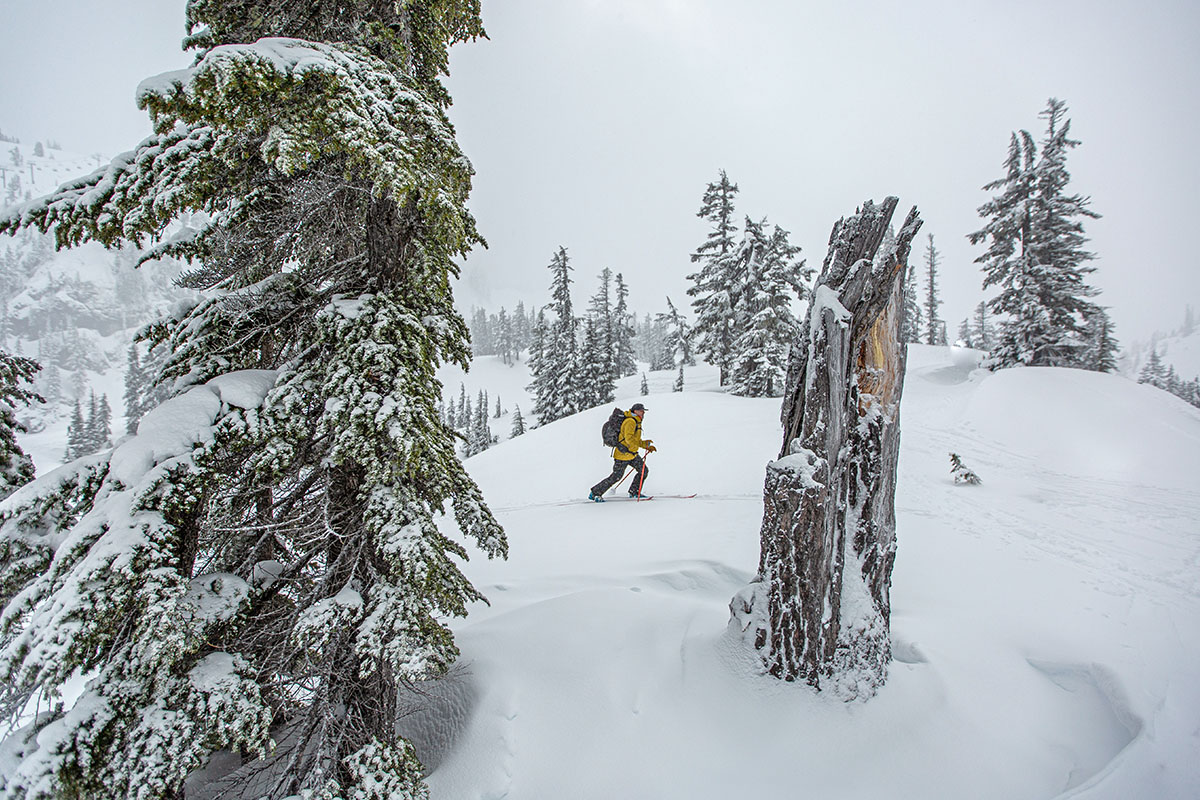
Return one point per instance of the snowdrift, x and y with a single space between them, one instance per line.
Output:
1046 624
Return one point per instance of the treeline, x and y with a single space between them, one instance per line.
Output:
1164 377
471 420
575 360
90 435
502 334
658 338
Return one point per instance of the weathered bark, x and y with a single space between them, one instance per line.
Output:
819 608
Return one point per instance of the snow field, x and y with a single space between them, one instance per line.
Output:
1046 624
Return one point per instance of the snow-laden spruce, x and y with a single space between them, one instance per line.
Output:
771 276
742 296
554 359
713 289
1036 256
16 379
260 566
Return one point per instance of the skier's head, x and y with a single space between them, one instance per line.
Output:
638 410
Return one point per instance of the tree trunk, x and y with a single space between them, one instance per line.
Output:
818 609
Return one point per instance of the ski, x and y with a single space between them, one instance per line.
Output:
645 498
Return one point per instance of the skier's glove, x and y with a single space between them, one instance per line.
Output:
651 448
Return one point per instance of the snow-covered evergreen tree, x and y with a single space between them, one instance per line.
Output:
260 566
518 423
622 331
678 339
1192 394
479 434
644 388
678 386
597 385
982 335
774 277
965 336
16 390
482 340
1035 251
715 283
134 381
934 333
910 325
602 311
522 328
466 415
506 341
1153 372
1100 351
556 369
102 429
664 359
962 473
76 435
97 428
1172 382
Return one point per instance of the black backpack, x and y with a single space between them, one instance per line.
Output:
610 432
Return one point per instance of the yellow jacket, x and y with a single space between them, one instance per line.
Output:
630 438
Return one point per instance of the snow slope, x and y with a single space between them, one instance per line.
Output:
1046 624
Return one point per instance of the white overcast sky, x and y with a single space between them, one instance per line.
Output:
595 124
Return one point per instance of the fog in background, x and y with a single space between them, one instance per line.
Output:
596 124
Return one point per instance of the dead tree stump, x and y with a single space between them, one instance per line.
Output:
819 608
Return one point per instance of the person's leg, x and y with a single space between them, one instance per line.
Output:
640 473
618 470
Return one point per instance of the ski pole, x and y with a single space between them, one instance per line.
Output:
642 479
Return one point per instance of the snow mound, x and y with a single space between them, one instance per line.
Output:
1090 424
1044 623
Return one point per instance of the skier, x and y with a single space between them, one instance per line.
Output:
625 455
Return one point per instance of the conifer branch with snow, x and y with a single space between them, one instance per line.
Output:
262 559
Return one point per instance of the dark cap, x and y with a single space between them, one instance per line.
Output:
637 407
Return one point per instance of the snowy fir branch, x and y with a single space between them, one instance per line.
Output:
262 560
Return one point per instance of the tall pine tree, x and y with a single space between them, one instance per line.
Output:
602 311
556 370
934 326
983 329
262 578
910 325
623 331
714 282
1036 252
